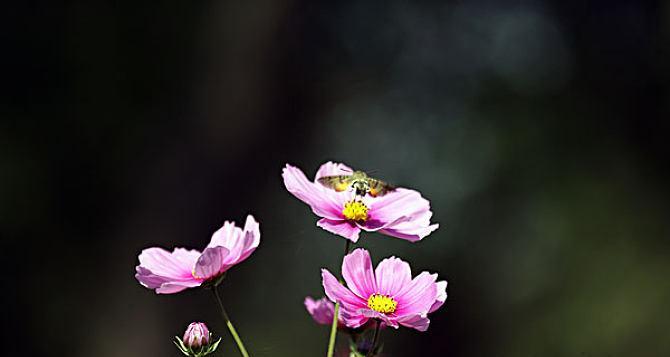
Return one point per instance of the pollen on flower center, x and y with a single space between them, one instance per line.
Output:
382 303
355 211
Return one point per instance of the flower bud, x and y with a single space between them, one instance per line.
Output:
196 335
197 341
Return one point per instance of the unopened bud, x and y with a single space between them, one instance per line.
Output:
196 335
197 341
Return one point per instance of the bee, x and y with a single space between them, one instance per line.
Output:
359 181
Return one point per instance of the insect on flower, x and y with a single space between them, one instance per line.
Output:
398 212
359 181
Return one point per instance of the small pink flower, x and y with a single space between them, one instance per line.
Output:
170 273
401 213
196 335
388 294
322 310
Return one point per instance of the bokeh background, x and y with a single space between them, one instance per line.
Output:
538 130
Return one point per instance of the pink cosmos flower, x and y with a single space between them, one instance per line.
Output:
388 294
401 213
170 273
322 310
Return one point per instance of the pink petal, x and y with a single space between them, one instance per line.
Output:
167 272
252 238
374 225
332 169
413 229
338 293
161 284
177 264
226 236
175 287
402 213
416 321
441 295
148 279
342 228
398 203
413 235
418 296
211 263
185 257
323 201
392 275
352 318
357 272
239 243
322 310
388 320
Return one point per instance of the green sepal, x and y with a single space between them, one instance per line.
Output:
353 349
198 352
180 345
213 283
212 347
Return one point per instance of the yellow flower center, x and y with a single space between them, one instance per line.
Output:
355 211
382 303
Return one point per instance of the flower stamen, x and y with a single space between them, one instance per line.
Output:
355 211
195 275
382 303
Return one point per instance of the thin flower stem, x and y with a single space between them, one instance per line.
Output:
371 352
333 331
333 327
233 332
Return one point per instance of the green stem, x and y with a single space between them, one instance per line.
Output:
333 331
233 332
333 327
374 340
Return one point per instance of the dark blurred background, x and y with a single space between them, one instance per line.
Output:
538 130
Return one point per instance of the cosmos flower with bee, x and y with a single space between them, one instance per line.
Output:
349 201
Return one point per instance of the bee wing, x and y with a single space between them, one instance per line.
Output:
379 187
338 183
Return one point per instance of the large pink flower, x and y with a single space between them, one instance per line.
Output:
401 213
388 294
170 273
